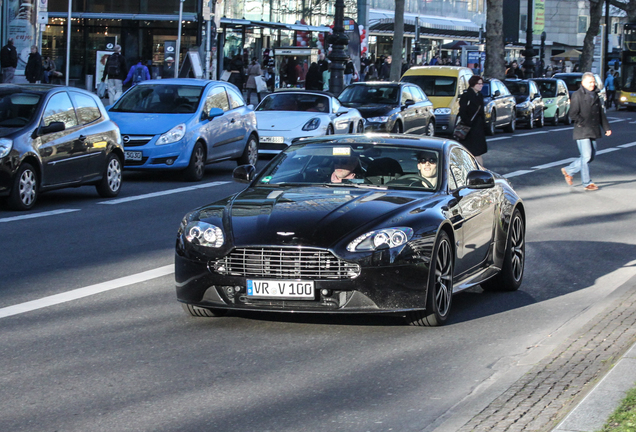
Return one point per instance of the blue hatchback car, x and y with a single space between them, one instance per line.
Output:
183 124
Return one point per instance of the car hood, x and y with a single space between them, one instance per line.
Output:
316 216
147 124
441 101
368 111
284 120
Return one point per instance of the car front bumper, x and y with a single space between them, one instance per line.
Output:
167 156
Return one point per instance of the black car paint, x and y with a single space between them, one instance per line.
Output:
391 280
500 106
534 99
45 151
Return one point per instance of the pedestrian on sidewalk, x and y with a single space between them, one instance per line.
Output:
8 61
137 73
115 69
471 113
34 71
588 117
253 71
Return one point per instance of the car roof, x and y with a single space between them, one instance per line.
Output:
182 81
406 140
299 91
35 88
437 70
378 83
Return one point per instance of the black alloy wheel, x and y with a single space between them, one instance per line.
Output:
512 126
542 118
493 124
439 293
196 167
511 274
531 120
360 127
555 120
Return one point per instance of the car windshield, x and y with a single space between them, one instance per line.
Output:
572 81
362 165
517 88
485 90
160 99
295 102
371 94
547 88
434 85
17 109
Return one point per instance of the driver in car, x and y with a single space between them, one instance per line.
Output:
344 168
427 166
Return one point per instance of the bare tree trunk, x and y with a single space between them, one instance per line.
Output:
495 66
587 57
398 36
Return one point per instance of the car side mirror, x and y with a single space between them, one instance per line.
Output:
478 179
342 110
561 94
408 103
214 112
51 128
497 94
244 173
251 106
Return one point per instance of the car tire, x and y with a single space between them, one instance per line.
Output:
439 294
511 274
250 154
555 120
397 128
567 120
512 126
531 121
200 312
490 130
329 130
360 128
542 118
110 185
196 167
24 192
430 129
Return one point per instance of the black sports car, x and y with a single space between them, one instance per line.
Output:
357 223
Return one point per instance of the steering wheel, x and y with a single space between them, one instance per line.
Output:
183 108
410 180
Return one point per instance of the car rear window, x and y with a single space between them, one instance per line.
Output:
434 85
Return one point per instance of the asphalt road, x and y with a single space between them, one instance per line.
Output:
85 346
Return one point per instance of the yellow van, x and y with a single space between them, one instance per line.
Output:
443 85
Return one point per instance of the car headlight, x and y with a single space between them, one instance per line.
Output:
312 124
173 135
391 237
204 234
5 146
382 119
549 101
523 105
442 111
623 98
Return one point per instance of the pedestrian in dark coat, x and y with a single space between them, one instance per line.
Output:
236 70
313 80
34 70
471 113
8 61
588 117
385 70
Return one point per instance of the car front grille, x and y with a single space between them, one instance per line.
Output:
136 140
285 263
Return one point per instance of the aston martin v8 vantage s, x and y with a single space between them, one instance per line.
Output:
354 224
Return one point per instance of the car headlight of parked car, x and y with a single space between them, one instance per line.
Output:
382 119
204 234
387 238
439 111
5 146
524 105
312 124
549 101
173 135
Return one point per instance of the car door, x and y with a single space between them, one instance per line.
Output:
534 99
421 108
63 153
218 130
510 101
409 115
241 125
88 116
563 99
503 104
340 122
476 210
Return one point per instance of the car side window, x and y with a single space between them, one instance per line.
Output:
503 89
335 105
415 94
59 109
236 100
217 98
406 95
86 108
461 163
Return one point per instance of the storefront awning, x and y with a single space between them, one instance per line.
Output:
382 21
272 25
116 16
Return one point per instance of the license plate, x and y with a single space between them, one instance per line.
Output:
278 289
274 140
133 155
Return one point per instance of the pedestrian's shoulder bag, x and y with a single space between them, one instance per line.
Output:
461 130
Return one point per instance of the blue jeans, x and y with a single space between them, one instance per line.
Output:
347 79
587 149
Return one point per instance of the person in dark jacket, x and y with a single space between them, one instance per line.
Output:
471 113
514 71
8 61
115 69
385 70
238 75
588 117
313 80
34 70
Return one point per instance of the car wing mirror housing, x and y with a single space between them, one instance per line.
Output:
478 179
497 94
341 111
51 128
214 112
408 103
244 173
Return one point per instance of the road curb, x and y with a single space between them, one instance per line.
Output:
556 385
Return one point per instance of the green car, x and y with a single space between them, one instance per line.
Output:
556 99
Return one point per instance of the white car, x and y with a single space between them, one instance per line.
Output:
286 116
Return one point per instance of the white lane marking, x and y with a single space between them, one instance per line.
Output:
86 291
553 164
162 193
532 133
631 144
616 121
634 122
37 215
517 173
498 138
607 150
562 129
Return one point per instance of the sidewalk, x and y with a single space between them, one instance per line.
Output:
578 385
